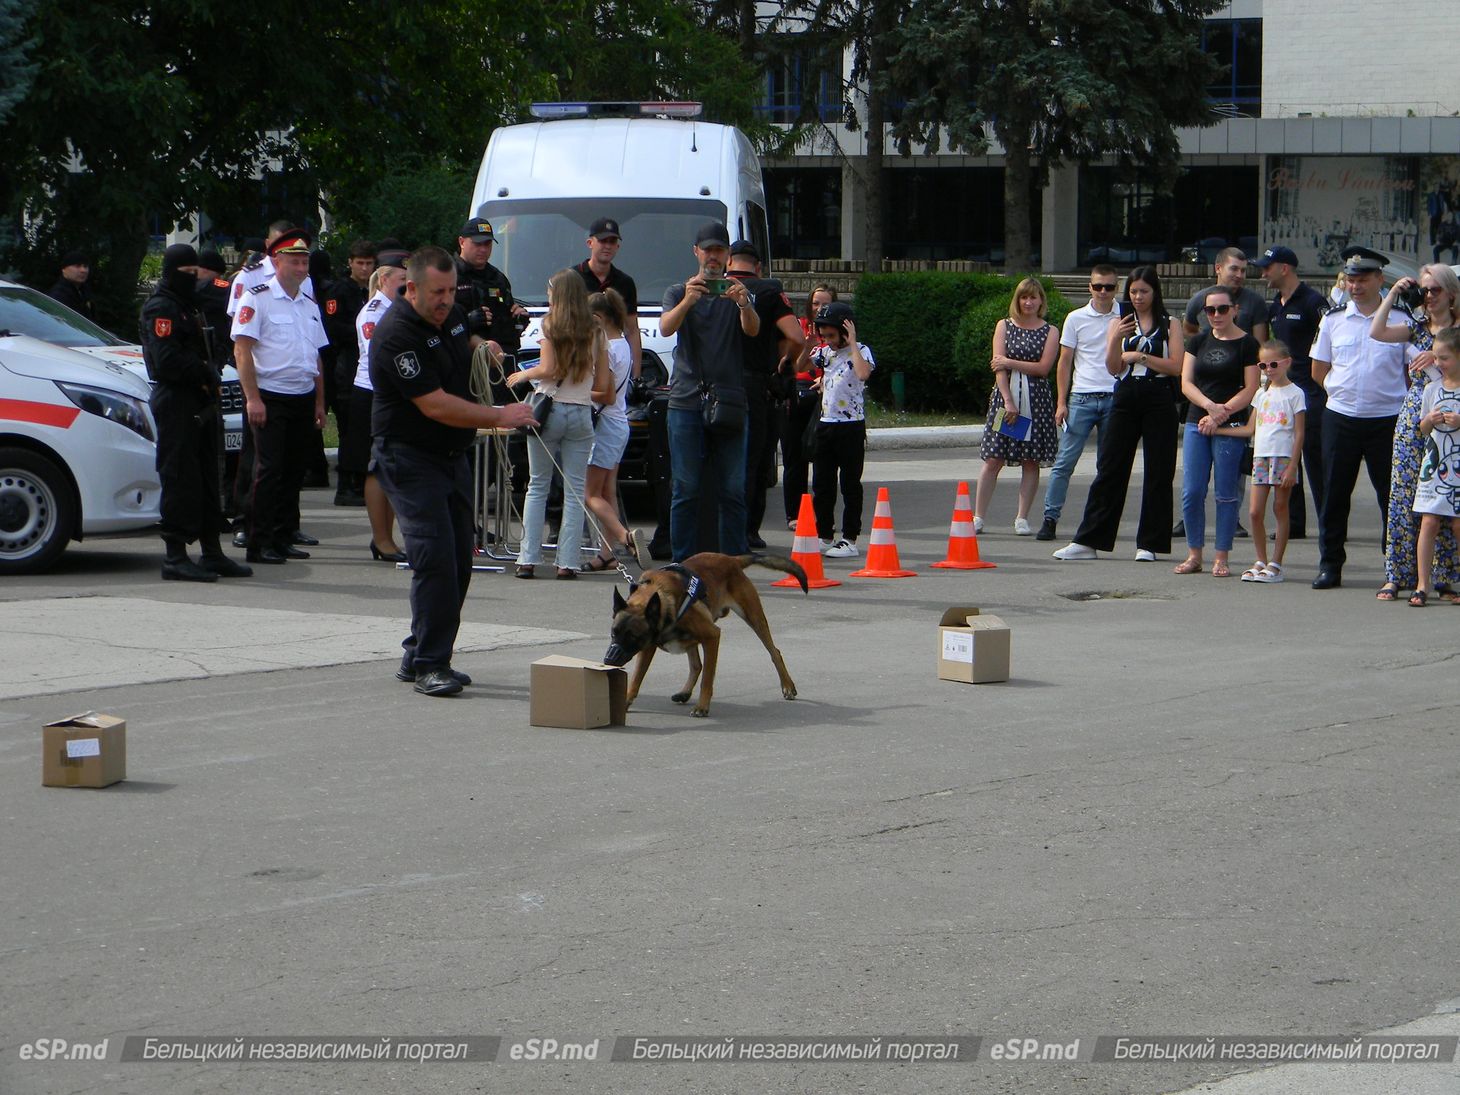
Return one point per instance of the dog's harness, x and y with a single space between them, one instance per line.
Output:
694 588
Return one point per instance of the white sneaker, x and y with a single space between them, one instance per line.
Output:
1075 551
977 526
1021 527
1144 556
842 549
825 546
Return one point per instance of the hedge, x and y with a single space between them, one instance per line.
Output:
937 328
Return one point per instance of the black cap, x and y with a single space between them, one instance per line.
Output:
395 256
1361 260
604 227
295 241
179 254
478 230
75 258
744 247
1275 254
712 233
212 260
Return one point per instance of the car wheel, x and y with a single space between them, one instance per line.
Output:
37 512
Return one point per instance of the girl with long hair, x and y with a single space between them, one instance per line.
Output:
611 435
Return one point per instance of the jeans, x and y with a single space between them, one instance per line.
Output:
568 435
693 454
1088 411
1210 458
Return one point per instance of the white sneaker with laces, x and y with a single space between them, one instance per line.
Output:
1144 556
842 549
1074 551
825 546
1021 527
977 525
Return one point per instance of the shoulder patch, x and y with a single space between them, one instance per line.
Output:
331 307
367 329
238 289
220 283
161 327
407 365
261 287
246 314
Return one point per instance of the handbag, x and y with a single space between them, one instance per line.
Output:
542 406
724 409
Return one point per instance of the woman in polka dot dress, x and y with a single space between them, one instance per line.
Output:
1024 351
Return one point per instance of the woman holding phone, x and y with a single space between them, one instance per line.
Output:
1143 353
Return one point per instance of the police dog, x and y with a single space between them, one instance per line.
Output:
675 607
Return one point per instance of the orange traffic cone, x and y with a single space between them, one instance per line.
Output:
962 540
807 551
882 561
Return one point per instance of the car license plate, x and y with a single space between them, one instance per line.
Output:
233 441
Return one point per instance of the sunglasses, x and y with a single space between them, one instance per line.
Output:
1102 287
1432 290
1266 365
1217 309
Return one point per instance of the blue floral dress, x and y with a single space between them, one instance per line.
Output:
1402 526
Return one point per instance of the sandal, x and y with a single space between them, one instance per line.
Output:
597 564
1187 566
1273 574
1446 592
1387 592
1220 570
1255 572
629 549
566 574
1419 599
524 570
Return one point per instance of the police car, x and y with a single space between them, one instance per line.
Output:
77 452
23 311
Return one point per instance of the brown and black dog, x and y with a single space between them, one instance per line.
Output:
675 607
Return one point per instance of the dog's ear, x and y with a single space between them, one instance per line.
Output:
619 604
652 608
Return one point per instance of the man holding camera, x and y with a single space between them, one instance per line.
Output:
707 404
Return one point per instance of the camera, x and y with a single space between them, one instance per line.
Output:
1412 296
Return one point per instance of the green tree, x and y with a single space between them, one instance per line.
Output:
16 70
1053 80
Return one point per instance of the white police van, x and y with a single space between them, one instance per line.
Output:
653 167
77 452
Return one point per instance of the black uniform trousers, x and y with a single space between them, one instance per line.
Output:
1346 442
188 440
1312 458
1141 413
431 494
795 464
841 450
760 449
282 450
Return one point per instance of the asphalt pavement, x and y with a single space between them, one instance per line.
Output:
1199 808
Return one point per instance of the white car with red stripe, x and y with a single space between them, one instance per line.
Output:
78 452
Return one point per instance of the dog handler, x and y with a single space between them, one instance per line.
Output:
423 424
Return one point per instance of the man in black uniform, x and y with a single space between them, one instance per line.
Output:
423 422
185 407
213 301
484 292
1293 316
600 274
343 300
779 337
71 288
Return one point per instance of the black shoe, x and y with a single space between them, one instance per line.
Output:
185 570
408 675
289 551
1046 530
755 543
1328 579
299 536
1241 533
349 498
438 682
265 555
240 539
1179 529
386 557
224 567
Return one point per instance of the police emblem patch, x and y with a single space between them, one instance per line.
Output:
245 314
237 289
367 330
407 365
331 307
161 327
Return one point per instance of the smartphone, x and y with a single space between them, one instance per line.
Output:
1123 308
716 287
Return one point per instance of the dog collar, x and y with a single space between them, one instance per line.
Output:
694 589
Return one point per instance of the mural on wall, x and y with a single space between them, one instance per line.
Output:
1318 205
1439 184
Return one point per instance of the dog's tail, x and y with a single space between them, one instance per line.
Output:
775 562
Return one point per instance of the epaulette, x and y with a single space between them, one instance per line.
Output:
373 305
254 263
261 287
1336 308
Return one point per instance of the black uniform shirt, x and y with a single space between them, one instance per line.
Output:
342 303
1296 323
213 300
616 280
409 357
762 353
73 296
488 288
173 346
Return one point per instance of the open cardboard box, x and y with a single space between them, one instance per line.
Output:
578 695
86 750
972 648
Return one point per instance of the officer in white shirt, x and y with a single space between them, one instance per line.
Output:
1365 381
277 336
1085 390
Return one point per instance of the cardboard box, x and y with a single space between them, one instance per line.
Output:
86 750
578 695
972 648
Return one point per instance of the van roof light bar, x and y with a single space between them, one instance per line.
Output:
552 111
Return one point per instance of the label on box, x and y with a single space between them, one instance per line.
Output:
83 747
958 646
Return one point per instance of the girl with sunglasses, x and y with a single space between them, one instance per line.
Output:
1441 309
1219 377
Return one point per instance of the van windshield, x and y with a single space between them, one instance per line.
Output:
538 237
24 311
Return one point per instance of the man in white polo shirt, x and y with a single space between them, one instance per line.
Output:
277 335
1085 389
1365 381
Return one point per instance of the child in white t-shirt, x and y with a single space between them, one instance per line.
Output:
1437 496
841 435
1276 427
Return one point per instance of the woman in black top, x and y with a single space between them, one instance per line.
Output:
1219 377
1142 349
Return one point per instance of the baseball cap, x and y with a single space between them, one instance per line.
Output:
744 247
478 230
604 227
1275 254
712 232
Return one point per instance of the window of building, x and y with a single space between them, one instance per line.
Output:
805 209
805 81
1237 46
1126 220
949 213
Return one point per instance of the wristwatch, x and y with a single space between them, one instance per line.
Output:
1143 360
